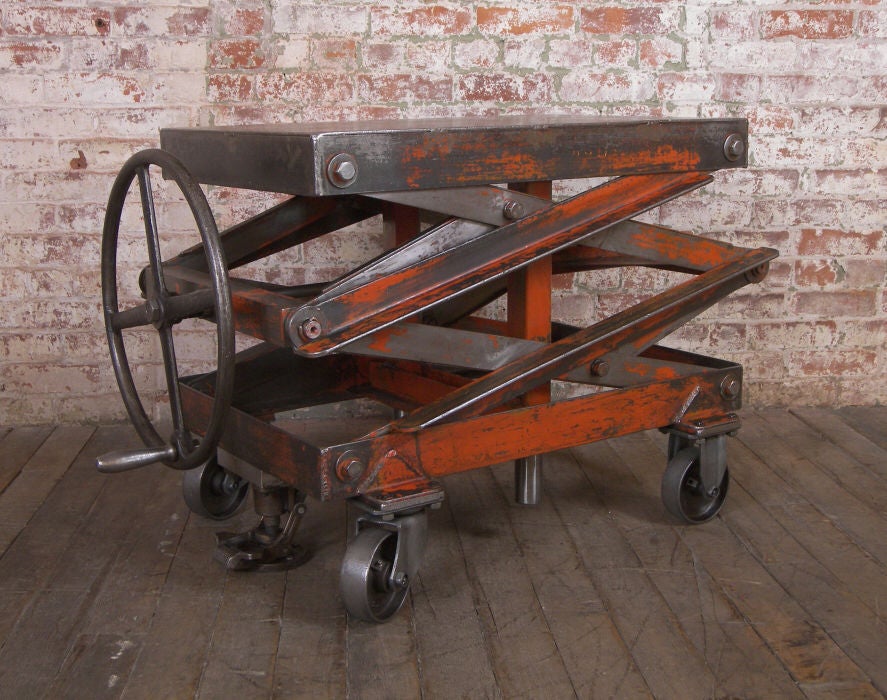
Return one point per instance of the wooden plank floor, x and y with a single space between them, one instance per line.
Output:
108 588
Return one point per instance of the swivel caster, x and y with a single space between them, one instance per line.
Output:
211 491
695 483
380 564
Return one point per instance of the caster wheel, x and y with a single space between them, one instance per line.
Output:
211 491
370 589
682 491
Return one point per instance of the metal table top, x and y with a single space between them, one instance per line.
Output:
330 158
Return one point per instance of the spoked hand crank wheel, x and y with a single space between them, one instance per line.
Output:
163 309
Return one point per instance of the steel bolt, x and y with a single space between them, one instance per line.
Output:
600 368
757 274
349 467
512 210
311 329
342 170
155 311
734 147
401 579
730 387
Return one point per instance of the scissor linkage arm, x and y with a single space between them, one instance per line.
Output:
440 266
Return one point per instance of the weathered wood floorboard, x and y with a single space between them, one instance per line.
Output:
108 587
870 421
682 576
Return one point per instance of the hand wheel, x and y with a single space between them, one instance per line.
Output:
163 309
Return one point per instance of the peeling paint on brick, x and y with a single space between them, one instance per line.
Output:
85 86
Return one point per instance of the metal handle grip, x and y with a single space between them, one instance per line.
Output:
124 460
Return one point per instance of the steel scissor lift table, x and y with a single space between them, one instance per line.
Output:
468 206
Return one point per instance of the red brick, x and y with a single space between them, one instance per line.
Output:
44 20
616 53
870 333
45 55
850 182
527 19
750 305
872 23
571 53
807 24
162 21
661 52
831 362
865 272
432 20
738 87
236 53
685 87
403 88
735 24
338 54
835 304
770 119
501 87
245 21
579 86
383 57
483 53
301 88
834 242
223 87
817 273
636 20
794 334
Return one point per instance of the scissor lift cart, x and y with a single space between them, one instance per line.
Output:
469 204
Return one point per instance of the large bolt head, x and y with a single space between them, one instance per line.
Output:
342 170
512 210
734 147
730 387
349 467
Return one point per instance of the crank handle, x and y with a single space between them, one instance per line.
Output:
125 460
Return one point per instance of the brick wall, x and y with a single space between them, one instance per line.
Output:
85 85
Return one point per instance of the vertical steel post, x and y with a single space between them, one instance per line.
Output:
529 317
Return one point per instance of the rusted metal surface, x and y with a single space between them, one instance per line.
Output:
463 391
389 156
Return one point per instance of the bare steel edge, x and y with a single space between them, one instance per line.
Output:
218 155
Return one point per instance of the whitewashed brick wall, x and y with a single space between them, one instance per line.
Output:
85 85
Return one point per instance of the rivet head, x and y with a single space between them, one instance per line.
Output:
512 210
600 368
734 147
342 170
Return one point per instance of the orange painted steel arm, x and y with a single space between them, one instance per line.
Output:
386 300
636 328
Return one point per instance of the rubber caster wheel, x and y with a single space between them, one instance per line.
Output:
370 589
211 491
682 492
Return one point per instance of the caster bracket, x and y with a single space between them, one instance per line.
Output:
412 534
